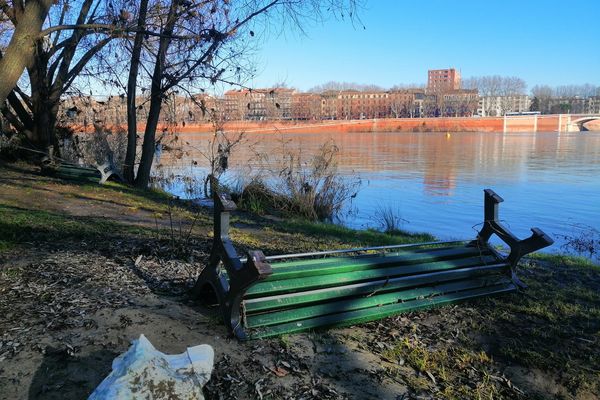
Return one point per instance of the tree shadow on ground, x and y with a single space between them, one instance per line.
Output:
63 376
533 344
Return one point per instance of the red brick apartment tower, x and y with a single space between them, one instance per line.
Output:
443 80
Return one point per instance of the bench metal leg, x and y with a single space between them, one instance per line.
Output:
518 248
107 171
225 274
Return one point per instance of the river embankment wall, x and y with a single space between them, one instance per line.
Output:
528 123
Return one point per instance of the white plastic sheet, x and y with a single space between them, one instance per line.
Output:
145 373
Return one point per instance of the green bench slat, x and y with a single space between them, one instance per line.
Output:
373 313
77 173
365 288
320 281
334 307
393 252
336 265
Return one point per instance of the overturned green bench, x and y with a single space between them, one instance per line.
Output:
262 296
100 174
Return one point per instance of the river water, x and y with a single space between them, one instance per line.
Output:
435 181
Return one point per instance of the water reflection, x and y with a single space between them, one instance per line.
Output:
550 180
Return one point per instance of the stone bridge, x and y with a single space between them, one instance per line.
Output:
576 123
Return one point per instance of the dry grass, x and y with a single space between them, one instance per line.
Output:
312 189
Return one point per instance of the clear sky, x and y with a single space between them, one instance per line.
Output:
544 42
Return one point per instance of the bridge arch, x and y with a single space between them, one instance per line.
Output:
577 125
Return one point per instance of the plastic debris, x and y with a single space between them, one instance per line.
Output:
144 372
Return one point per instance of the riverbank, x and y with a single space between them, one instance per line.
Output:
510 124
84 269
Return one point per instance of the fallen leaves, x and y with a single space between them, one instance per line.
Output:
279 371
62 288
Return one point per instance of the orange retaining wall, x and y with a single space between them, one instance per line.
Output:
545 123
376 125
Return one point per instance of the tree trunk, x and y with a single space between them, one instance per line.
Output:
42 131
44 125
129 165
156 96
148 147
21 49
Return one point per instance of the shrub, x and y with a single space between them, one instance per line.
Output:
103 145
10 146
312 189
388 219
584 241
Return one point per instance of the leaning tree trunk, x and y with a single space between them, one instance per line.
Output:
156 95
129 165
21 48
148 147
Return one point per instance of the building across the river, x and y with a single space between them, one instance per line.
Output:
497 106
442 80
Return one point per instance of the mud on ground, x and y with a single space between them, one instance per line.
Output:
84 270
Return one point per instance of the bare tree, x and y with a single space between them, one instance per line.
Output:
218 150
405 86
136 53
202 43
73 36
341 86
542 95
542 91
585 90
498 91
401 103
567 95
27 19
496 85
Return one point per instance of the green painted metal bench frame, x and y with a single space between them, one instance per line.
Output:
262 296
101 173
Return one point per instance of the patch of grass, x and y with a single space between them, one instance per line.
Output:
285 342
153 200
18 225
33 221
254 205
554 325
443 370
298 187
11 274
351 236
6 246
246 239
388 219
565 260
417 382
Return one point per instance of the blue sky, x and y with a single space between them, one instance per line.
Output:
544 42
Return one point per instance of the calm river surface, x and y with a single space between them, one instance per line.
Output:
435 181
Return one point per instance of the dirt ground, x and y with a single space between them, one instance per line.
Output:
84 270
